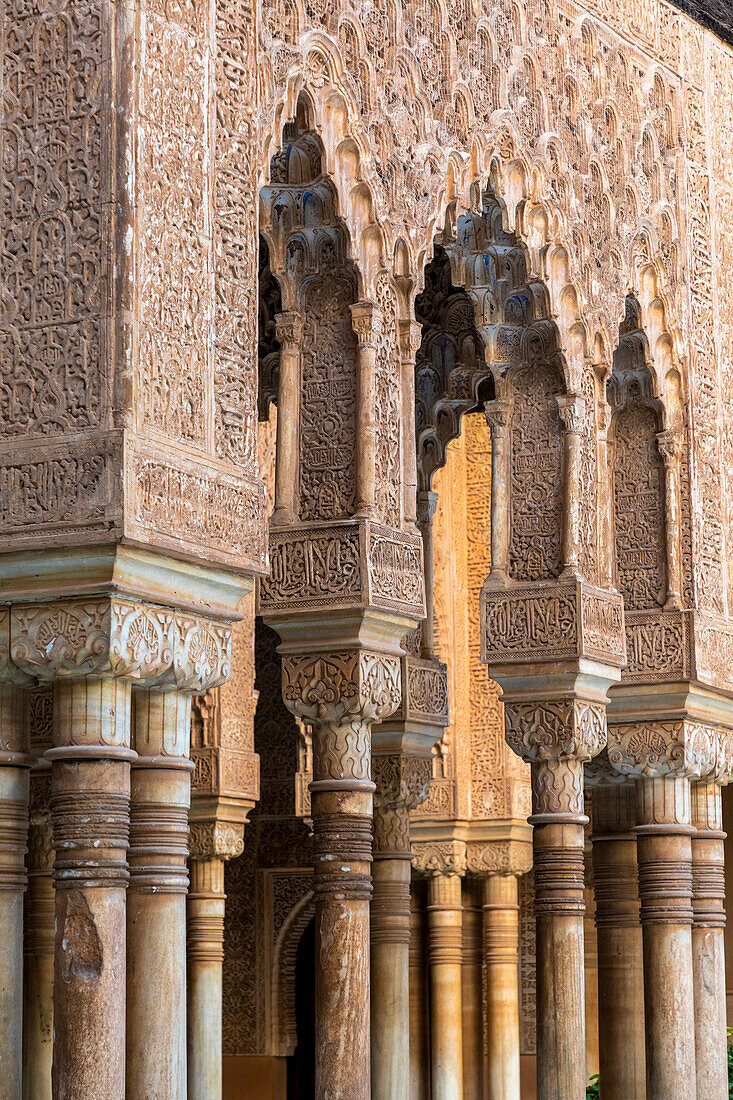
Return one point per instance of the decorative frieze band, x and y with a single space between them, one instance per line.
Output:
424 691
223 771
348 564
547 621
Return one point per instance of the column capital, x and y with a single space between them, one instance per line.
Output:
572 411
427 502
366 321
341 687
410 338
670 446
556 729
440 857
402 783
215 839
120 637
679 748
289 327
498 413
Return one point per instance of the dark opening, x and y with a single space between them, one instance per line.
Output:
302 1065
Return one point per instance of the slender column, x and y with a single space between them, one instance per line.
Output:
426 504
501 959
664 836
411 338
402 783
497 417
670 448
471 997
90 806
572 411
620 955
342 693
708 948
590 955
419 1001
605 464
289 332
444 960
14 768
366 323
38 945
557 736
205 958
156 899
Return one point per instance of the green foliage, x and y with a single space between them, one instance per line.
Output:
593 1088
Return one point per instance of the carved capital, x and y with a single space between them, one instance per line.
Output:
427 502
215 839
572 412
9 672
335 688
366 321
120 637
424 691
570 729
402 784
410 338
219 770
440 857
498 414
680 748
670 446
289 328
499 857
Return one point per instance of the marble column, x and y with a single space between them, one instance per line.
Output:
90 807
419 996
590 958
156 899
341 693
620 955
664 834
402 783
444 962
708 948
670 448
497 417
572 412
14 768
557 737
289 332
426 504
38 944
366 323
501 959
471 992
205 935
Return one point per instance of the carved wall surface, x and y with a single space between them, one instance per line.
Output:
588 120
128 215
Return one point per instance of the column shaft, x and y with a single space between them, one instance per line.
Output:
342 843
620 953
559 906
13 839
90 806
501 959
708 947
419 1002
289 331
590 961
390 979
156 900
444 960
205 958
471 998
38 945
665 889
